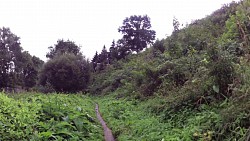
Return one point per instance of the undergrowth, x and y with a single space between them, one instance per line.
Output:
137 120
48 117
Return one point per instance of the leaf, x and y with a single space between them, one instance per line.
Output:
64 134
64 124
43 126
216 89
78 123
46 134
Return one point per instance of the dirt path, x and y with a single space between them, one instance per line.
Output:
107 132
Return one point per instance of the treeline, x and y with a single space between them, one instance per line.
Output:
18 69
67 70
137 35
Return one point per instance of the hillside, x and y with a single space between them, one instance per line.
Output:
193 85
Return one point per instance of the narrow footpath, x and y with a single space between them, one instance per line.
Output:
107 132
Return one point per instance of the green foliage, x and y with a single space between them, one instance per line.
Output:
223 73
113 52
131 120
10 50
66 73
194 83
31 65
17 67
237 30
17 118
236 113
100 61
136 32
159 45
48 117
136 37
63 47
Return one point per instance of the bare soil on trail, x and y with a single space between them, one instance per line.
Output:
107 132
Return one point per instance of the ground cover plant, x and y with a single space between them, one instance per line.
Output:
48 117
133 120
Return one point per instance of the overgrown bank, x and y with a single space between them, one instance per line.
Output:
195 82
135 120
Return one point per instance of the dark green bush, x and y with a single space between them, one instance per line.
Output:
66 73
223 73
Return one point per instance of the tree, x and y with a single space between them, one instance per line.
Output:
159 45
102 59
136 32
123 49
104 56
176 25
32 65
63 47
95 61
67 73
10 52
113 52
17 67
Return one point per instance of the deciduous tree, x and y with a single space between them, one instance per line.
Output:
10 51
137 33
63 47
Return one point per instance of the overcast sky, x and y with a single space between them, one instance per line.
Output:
92 23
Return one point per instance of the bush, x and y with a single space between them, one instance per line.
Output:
223 73
66 73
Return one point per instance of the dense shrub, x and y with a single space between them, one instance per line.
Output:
66 73
223 73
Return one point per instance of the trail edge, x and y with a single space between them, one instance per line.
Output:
107 132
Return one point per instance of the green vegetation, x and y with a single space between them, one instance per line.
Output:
48 117
17 67
192 85
137 34
66 73
131 120
66 70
